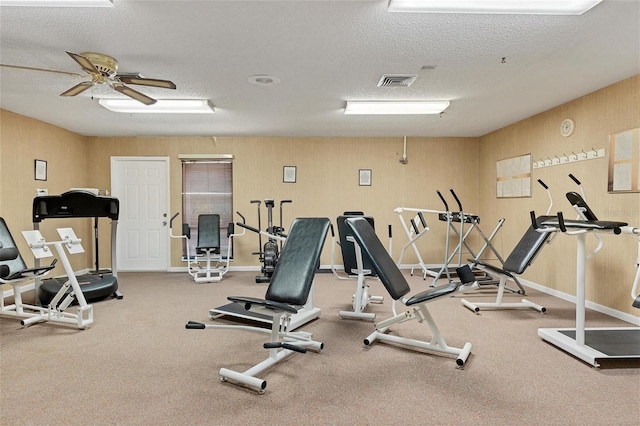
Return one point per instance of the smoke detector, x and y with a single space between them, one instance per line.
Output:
397 80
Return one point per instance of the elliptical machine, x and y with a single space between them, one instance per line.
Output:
269 253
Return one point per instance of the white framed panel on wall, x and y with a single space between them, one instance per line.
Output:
624 161
513 177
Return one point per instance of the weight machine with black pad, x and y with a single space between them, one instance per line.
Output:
416 305
289 289
207 248
355 268
303 315
591 344
522 255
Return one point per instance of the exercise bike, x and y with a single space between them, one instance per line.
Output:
270 251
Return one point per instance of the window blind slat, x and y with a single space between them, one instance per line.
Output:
207 187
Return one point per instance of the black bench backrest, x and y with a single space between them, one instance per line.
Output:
527 248
382 263
348 251
577 201
208 232
293 275
10 259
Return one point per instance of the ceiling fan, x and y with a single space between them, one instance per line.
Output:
103 70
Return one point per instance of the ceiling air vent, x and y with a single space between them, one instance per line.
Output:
396 80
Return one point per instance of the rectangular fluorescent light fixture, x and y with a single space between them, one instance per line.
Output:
395 107
162 106
505 7
58 3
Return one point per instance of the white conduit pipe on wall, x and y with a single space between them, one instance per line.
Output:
404 160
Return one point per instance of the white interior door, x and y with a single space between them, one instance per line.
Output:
141 184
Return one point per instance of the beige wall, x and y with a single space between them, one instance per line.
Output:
327 178
327 181
610 110
23 140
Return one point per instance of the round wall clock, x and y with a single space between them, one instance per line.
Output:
567 127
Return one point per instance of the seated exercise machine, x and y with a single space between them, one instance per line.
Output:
14 271
591 344
290 285
358 268
522 255
398 288
98 284
207 248
306 313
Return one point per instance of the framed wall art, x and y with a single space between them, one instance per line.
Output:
40 170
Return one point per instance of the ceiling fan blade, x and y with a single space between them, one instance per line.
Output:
78 88
165 84
84 63
134 94
74 74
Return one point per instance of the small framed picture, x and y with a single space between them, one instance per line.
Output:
40 170
364 177
289 174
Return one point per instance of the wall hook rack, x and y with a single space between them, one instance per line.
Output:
556 160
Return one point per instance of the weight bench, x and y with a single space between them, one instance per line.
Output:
360 268
397 286
518 261
288 291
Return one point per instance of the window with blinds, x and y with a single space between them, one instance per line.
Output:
207 188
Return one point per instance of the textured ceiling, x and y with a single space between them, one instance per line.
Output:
324 53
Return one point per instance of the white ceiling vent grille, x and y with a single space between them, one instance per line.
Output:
397 80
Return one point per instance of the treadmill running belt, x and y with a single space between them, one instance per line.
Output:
611 342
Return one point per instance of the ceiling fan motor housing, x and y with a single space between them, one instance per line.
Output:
107 65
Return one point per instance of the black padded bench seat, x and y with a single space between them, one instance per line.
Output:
593 225
516 263
288 291
524 252
397 286
291 280
386 268
591 221
432 293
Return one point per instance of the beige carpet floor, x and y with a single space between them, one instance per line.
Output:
137 365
